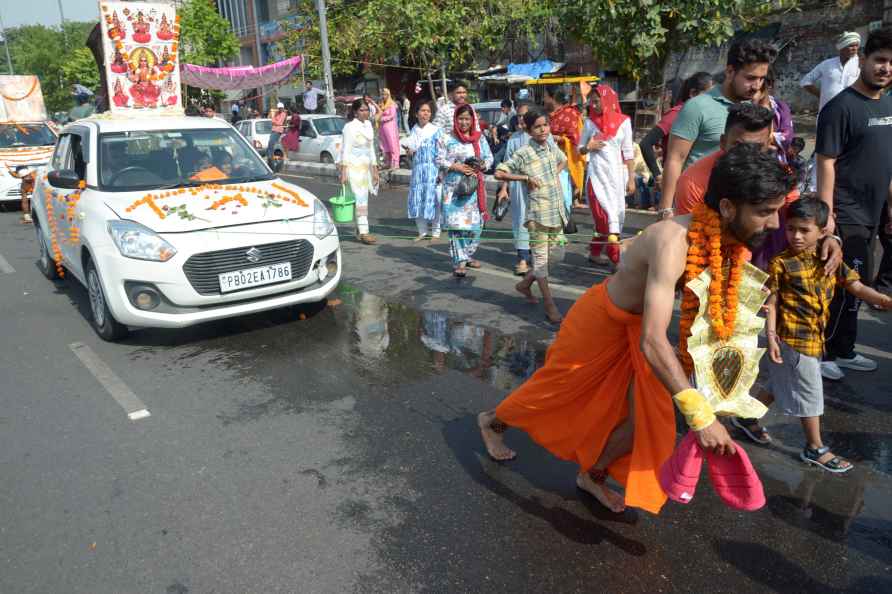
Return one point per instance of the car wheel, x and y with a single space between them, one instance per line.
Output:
103 322
45 261
326 158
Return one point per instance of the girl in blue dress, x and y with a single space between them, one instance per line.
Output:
424 186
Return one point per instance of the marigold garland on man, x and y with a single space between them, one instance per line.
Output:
605 403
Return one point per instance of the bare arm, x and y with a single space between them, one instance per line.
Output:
668 250
771 329
871 296
666 267
678 150
812 90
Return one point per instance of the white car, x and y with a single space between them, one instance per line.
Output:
179 222
256 132
22 144
320 138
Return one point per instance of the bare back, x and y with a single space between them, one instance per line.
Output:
658 255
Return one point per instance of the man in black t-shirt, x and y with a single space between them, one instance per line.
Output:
854 148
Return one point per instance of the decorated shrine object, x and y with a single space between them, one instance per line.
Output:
21 99
725 370
140 44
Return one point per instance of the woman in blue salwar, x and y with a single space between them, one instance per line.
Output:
463 213
424 186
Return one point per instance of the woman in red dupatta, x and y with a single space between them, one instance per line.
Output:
607 138
463 213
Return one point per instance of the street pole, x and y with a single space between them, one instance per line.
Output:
6 45
62 24
326 57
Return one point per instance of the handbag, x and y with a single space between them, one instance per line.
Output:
466 186
570 225
499 208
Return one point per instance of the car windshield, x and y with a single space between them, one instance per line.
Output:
329 126
16 135
144 160
263 127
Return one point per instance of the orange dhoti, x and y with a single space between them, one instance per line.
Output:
574 402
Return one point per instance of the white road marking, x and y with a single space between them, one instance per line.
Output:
5 267
115 386
297 176
509 276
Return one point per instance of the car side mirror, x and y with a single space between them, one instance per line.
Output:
67 179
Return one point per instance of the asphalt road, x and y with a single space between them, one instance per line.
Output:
335 450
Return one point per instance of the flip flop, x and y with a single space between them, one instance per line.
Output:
735 480
681 472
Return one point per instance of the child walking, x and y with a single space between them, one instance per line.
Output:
798 311
538 165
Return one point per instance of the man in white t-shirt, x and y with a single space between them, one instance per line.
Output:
311 97
831 76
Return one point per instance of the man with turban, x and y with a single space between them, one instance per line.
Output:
831 76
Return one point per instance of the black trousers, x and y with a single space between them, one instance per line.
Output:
883 280
842 329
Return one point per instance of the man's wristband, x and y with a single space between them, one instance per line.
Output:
837 238
696 410
666 211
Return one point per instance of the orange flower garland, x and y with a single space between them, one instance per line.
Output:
288 195
705 241
53 228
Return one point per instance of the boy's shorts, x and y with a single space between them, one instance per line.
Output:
796 383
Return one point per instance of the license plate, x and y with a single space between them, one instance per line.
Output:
255 277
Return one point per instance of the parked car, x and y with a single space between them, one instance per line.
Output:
320 138
256 132
173 221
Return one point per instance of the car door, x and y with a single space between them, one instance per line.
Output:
72 155
309 141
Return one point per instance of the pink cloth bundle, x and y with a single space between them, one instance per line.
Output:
733 477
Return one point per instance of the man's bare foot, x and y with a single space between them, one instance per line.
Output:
527 292
607 497
495 443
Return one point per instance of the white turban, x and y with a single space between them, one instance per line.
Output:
846 39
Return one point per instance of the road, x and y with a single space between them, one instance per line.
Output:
335 450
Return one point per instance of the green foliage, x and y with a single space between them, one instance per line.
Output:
59 59
425 33
637 37
205 36
81 68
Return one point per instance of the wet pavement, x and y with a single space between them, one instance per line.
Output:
335 449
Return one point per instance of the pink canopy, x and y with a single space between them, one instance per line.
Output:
238 78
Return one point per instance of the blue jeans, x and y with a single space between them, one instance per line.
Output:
273 141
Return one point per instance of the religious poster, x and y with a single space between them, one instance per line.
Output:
140 41
21 99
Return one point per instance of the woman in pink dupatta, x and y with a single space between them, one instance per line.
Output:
388 133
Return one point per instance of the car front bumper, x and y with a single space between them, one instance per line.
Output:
181 305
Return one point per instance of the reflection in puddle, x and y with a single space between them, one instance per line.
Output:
390 332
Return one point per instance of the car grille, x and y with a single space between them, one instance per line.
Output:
203 269
14 193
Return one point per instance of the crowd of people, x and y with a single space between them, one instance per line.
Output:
732 189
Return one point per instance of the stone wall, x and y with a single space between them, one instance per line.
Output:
804 38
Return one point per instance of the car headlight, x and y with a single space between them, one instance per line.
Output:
322 223
140 242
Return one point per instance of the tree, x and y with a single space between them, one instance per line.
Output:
637 37
205 36
54 55
426 33
81 68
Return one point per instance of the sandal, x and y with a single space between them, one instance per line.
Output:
421 238
835 464
752 429
459 273
473 264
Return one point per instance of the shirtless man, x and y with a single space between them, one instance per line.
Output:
602 399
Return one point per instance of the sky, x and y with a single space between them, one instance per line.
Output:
46 12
